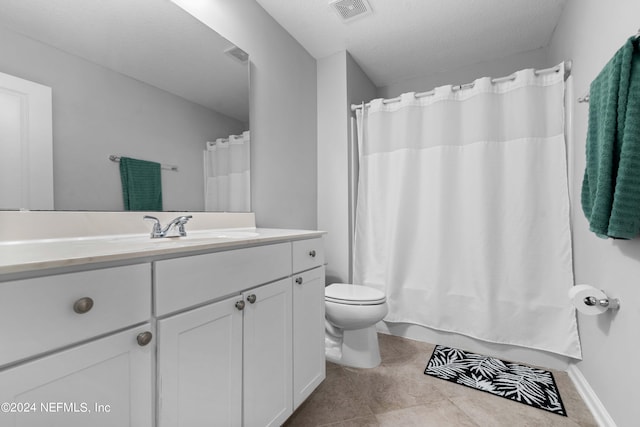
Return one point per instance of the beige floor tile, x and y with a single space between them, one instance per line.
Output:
390 386
333 401
397 393
576 408
394 350
331 365
495 411
371 421
440 414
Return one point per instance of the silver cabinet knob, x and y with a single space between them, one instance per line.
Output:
240 305
312 253
144 338
299 280
251 298
83 305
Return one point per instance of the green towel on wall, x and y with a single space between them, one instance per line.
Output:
141 185
611 185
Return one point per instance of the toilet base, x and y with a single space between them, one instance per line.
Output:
359 348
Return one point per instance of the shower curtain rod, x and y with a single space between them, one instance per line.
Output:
567 73
174 168
227 139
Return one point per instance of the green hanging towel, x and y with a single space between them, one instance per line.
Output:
611 185
141 185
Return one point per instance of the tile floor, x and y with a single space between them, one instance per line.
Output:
398 394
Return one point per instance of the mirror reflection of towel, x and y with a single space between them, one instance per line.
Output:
141 185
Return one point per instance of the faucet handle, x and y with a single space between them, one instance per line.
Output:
180 222
157 228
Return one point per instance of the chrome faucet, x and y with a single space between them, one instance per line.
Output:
157 231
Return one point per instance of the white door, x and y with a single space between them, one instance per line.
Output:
200 367
267 355
308 333
104 383
26 153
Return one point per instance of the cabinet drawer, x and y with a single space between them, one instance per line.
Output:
39 314
189 281
307 254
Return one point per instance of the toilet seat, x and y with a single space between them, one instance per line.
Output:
345 293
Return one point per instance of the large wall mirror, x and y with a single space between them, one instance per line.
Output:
141 79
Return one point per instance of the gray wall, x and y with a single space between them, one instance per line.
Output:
589 33
333 144
537 58
341 82
283 111
97 112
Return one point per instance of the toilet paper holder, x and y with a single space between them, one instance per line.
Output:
611 304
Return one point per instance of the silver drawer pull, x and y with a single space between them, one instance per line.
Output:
83 305
299 280
144 338
240 305
251 298
312 253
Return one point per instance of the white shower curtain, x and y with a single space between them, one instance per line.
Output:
227 176
463 212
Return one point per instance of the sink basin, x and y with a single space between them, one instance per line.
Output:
143 243
233 234
191 237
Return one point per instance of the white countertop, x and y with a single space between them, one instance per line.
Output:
39 254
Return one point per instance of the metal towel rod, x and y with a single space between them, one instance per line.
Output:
173 168
585 98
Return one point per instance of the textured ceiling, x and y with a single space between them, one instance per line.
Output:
403 39
150 40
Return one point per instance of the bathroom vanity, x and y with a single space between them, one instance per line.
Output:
223 327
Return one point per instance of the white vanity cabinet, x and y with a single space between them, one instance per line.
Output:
200 366
227 363
267 374
308 333
233 359
308 318
216 359
77 349
106 382
222 334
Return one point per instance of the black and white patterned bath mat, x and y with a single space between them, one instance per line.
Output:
524 384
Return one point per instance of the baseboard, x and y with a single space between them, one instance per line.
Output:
590 398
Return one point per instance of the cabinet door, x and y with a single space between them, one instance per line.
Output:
107 382
267 355
308 333
200 367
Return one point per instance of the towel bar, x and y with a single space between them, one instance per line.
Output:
174 168
585 98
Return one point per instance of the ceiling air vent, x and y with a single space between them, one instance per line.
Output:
238 54
349 10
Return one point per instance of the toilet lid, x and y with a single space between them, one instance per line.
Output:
347 293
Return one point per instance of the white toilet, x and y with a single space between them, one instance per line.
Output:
351 314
